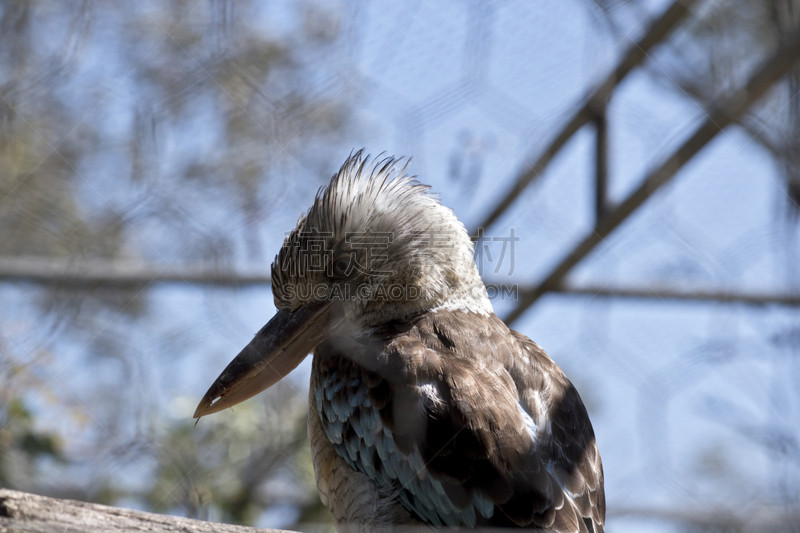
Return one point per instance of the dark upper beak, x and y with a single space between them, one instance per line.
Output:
274 352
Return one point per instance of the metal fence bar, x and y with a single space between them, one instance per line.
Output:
98 272
729 110
89 273
601 166
633 57
667 294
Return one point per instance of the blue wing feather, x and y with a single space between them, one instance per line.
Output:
354 428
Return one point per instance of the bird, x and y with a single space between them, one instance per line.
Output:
425 409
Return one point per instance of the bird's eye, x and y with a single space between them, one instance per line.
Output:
340 267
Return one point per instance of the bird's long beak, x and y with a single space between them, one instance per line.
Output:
274 352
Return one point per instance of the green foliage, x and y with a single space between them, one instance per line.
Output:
22 445
235 465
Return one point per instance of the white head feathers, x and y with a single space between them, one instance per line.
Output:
384 242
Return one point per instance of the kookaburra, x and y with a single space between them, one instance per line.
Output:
424 408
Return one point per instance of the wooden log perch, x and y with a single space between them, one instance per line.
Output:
30 513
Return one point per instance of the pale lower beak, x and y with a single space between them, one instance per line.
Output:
275 351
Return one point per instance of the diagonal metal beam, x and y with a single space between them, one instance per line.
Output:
633 57
728 110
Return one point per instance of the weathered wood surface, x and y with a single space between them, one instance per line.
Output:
29 513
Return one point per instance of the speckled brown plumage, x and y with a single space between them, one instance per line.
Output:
471 435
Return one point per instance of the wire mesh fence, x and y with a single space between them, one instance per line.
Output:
630 166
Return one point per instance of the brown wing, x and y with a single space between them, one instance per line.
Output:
568 442
493 371
494 421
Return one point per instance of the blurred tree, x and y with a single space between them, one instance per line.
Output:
233 467
156 131
23 446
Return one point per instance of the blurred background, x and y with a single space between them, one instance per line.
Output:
642 208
